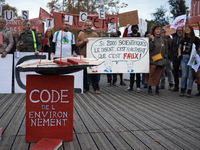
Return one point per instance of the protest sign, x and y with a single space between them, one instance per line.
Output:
8 15
25 14
49 107
97 23
128 18
121 55
112 28
49 23
6 73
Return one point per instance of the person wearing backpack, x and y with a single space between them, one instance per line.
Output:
64 41
28 40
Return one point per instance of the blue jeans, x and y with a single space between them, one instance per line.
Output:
187 73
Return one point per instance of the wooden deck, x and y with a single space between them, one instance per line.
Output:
115 119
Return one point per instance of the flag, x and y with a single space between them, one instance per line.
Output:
178 22
194 61
43 15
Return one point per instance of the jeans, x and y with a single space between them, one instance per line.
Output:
187 73
168 69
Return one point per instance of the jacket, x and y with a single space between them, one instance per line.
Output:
80 41
7 41
155 48
28 43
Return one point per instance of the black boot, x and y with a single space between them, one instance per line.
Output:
182 92
150 92
189 93
157 90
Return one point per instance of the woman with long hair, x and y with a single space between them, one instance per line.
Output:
47 41
184 52
157 47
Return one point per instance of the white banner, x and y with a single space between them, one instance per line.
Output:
178 22
121 55
6 73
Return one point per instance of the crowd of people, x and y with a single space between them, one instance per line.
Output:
166 54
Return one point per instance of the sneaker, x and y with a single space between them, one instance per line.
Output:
108 84
97 92
150 92
189 93
138 90
198 94
182 93
171 87
175 89
115 85
129 89
162 87
122 83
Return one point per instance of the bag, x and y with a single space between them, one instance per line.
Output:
157 57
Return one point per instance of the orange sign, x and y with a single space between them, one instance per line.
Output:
49 107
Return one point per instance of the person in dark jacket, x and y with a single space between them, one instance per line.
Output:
134 33
174 57
26 39
157 45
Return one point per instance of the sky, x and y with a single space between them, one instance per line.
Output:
144 7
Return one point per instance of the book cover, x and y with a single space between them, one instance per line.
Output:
1 39
47 144
62 61
77 61
0 133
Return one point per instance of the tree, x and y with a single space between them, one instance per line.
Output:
159 16
8 7
178 7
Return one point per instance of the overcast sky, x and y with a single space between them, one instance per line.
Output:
144 7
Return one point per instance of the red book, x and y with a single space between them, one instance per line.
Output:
63 62
1 39
77 61
47 144
0 133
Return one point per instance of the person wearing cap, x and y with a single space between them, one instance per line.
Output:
6 42
134 33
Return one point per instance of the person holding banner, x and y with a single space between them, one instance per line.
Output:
64 39
6 39
158 55
134 33
184 52
28 40
82 42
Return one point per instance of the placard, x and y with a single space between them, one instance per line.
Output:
112 28
69 19
83 16
121 55
49 107
25 14
128 18
49 23
6 73
8 15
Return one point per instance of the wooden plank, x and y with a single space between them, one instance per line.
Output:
162 140
20 144
102 142
133 141
86 141
149 141
117 141
74 145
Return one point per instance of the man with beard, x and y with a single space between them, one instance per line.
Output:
174 56
64 39
82 43
6 42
